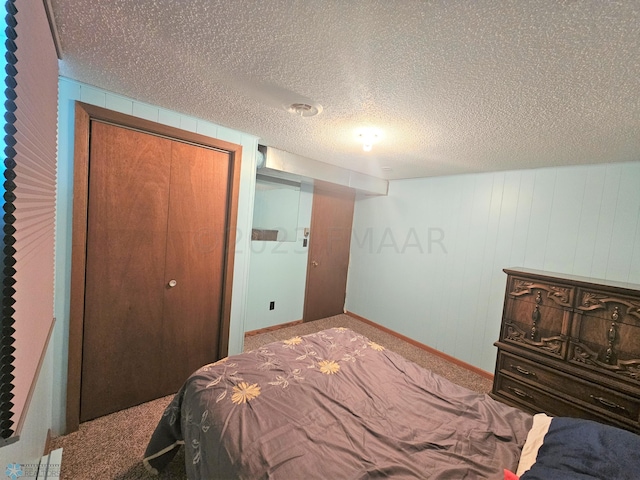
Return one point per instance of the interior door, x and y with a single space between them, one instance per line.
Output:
157 210
329 243
125 267
194 261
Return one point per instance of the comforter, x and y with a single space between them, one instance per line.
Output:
336 405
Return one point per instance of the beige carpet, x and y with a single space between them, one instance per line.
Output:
111 447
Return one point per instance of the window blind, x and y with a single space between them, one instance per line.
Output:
31 77
8 220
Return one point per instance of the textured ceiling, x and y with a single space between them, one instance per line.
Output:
455 86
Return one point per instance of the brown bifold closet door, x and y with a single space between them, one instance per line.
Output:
157 210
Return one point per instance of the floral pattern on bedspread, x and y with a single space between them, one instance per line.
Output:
268 359
330 403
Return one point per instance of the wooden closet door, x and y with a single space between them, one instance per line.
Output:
124 288
195 260
157 216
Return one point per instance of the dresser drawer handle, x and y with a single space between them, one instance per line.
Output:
609 404
520 393
523 371
535 318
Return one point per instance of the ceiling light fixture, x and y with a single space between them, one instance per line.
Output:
304 109
368 136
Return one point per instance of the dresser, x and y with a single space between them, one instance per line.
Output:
570 346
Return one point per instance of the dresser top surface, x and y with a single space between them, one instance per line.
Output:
575 279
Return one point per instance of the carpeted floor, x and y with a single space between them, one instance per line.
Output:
111 447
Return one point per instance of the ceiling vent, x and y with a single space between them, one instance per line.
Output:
304 109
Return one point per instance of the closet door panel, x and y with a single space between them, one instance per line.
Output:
195 260
126 243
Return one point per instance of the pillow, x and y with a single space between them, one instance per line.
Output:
535 437
582 449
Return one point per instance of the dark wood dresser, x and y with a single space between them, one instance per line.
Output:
570 346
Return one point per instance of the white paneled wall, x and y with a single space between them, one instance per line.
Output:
69 92
427 260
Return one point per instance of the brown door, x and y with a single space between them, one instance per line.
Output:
331 221
195 260
157 210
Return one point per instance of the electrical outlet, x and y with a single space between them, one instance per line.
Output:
272 305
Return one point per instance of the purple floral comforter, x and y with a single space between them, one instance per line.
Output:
333 405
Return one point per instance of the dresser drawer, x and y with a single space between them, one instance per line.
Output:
538 327
540 292
609 306
534 400
524 369
588 394
537 315
595 358
529 398
606 334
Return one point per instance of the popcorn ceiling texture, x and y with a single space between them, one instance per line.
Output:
456 86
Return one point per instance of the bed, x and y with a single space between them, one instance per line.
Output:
335 405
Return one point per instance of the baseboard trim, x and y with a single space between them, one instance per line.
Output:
272 328
424 347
